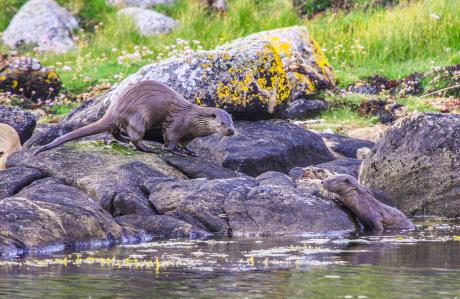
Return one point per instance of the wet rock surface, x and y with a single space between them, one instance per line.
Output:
149 22
42 24
23 122
49 215
417 162
263 146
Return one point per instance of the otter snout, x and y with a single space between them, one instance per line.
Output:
230 132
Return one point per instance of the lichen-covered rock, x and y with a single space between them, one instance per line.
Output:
27 77
345 147
42 24
262 146
417 162
138 3
149 22
23 122
252 78
50 216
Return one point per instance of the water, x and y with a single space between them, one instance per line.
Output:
421 264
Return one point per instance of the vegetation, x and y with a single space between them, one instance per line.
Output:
363 40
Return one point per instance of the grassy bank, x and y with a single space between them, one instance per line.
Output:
412 36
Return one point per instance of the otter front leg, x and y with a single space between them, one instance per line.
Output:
136 139
184 145
171 143
116 133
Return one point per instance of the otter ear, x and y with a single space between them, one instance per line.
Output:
347 180
213 115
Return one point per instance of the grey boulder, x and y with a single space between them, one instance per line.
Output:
23 122
417 162
42 24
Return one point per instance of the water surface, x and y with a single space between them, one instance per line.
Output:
424 263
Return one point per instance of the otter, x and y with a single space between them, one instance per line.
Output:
373 214
9 143
149 104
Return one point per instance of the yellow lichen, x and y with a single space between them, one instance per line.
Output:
322 62
2 78
14 84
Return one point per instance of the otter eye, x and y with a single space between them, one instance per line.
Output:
213 115
1 154
222 123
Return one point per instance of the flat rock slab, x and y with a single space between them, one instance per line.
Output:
43 24
417 162
23 122
263 146
51 216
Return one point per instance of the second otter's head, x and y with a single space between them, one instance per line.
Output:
340 184
221 122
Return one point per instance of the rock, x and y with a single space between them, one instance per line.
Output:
159 226
322 171
217 5
274 178
23 122
51 216
244 206
263 146
111 173
149 22
362 153
417 162
44 134
252 78
9 143
27 77
12 180
342 166
42 24
372 133
304 108
138 3
343 146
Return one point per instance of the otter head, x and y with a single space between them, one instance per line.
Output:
341 184
222 122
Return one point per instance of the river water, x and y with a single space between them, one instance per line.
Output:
424 263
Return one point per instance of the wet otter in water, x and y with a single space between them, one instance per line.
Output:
373 214
146 105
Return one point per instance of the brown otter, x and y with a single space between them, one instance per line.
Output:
373 214
9 143
148 104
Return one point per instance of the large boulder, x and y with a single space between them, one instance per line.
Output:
253 78
27 77
417 162
42 24
23 122
262 146
49 216
149 22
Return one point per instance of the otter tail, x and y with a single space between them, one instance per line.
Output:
98 127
